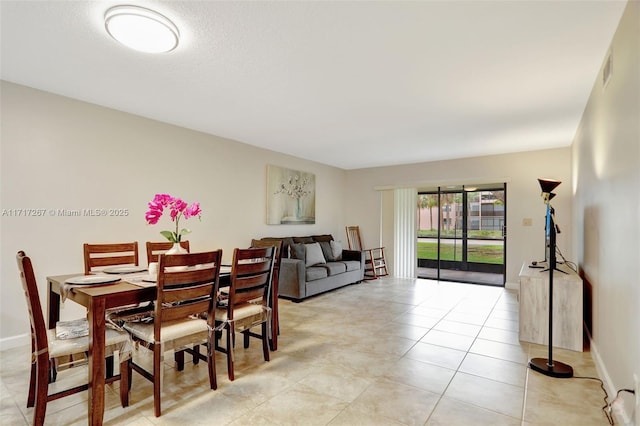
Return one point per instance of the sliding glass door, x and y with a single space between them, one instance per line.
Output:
462 234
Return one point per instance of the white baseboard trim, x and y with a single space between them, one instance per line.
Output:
14 341
604 374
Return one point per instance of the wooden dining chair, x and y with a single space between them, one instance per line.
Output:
99 256
155 248
184 297
375 261
103 255
47 350
247 303
273 296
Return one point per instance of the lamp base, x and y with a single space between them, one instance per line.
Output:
558 369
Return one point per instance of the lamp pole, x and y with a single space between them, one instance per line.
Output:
548 366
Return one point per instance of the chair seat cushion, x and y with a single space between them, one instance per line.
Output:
115 341
245 311
171 330
244 317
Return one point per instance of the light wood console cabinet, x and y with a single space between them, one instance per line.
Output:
567 307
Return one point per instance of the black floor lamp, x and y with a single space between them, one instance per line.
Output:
548 366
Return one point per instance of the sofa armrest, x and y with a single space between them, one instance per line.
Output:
354 255
291 282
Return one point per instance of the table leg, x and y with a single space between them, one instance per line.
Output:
53 302
96 361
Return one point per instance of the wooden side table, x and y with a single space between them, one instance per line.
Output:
567 307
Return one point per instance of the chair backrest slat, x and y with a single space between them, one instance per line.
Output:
176 312
36 318
187 285
277 260
241 298
251 276
111 261
249 282
267 243
260 265
180 293
353 238
100 255
191 276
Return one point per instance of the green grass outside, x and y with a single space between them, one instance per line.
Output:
433 233
475 253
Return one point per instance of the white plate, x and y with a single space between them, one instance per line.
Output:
149 279
124 269
92 280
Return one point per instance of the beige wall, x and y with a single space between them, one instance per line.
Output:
520 171
60 153
606 182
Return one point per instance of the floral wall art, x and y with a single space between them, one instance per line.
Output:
291 196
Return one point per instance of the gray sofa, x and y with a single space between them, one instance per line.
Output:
315 264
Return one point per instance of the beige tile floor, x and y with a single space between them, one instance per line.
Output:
386 352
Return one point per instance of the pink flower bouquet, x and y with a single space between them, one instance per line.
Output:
177 208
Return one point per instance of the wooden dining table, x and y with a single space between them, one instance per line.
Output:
97 299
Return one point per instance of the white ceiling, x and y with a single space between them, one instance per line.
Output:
351 84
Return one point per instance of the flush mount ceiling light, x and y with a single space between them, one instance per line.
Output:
141 29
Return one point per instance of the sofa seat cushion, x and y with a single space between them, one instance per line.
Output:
335 268
315 273
351 265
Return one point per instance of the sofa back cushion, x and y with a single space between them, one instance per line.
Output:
313 253
336 249
303 240
326 251
293 253
297 252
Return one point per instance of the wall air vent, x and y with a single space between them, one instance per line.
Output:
607 70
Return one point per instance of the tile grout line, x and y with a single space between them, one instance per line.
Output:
462 361
465 356
524 397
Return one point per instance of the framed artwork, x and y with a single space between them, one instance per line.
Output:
291 196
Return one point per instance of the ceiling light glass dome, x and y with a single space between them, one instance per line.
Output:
141 29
